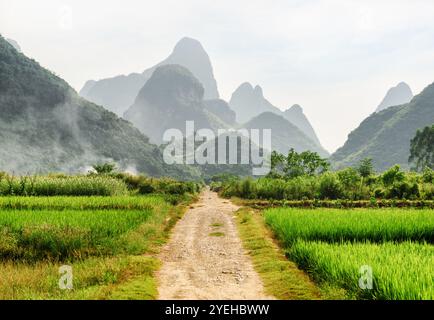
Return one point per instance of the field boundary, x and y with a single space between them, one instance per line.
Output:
281 277
145 286
335 204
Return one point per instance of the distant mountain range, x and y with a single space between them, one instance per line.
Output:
385 135
396 96
162 98
284 134
249 102
46 127
296 116
169 98
117 94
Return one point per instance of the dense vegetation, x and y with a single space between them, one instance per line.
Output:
54 185
332 245
105 182
422 149
401 271
305 176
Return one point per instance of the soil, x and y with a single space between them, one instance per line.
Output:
204 258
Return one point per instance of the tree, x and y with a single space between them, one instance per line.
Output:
422 149
366 168
297 164
104 168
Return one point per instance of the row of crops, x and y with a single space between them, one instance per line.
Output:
69 228
334 246
106 227
92 185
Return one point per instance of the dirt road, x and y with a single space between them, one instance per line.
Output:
204 258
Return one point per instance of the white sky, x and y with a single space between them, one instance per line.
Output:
336 58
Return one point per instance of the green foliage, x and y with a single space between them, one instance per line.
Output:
366 168
104 168
329 187
422 149
56 185
347 184
297 164
393 175
428 175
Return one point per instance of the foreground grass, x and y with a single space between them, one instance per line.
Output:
402 271
93 278
333 245
282 279
123 272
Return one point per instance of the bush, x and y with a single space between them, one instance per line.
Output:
329 187
428 175
393 175
403 190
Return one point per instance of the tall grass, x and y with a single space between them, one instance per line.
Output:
400 271
84 202
55 185
336 225
67 234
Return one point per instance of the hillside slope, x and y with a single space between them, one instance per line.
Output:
385 136
169 98
46 126
296 116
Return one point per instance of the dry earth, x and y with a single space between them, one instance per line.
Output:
204 258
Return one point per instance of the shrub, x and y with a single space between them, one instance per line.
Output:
403 190
428 175
393 175
329 187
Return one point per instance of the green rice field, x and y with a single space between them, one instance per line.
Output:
333 245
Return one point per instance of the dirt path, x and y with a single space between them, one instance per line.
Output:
204 258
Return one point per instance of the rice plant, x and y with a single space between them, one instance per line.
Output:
336 225
403 271
62 185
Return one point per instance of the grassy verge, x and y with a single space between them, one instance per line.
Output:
282 279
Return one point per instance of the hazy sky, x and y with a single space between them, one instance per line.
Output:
336 58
